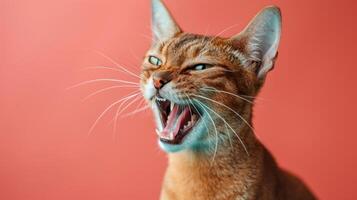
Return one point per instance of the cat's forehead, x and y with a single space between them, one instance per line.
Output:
185 47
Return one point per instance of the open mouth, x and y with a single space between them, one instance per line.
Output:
176 120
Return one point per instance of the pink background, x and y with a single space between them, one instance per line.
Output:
306 116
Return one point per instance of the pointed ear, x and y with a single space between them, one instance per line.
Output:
260 39
163 25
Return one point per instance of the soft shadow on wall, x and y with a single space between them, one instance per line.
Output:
305 114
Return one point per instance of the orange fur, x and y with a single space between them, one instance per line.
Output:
238 166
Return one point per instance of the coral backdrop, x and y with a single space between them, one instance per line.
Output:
305 115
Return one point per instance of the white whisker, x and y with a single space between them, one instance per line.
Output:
222 91
255 97
103 67
223 31
216 132
136 111
229 136
244 120
107 109
119 111
114 120
240 140
102 80
117 64
137 108
191 103
108 88
127 106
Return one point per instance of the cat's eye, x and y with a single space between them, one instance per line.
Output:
200 67
155 60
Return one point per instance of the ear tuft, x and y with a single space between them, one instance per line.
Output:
261 39
163 25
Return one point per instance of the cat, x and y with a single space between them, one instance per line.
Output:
201 90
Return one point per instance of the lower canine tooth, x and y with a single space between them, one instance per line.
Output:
171 136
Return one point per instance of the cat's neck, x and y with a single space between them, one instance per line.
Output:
193 173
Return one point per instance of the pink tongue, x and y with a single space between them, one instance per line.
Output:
172 129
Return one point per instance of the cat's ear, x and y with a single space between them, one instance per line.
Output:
163 25
260 39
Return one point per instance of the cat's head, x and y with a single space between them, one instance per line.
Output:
200 87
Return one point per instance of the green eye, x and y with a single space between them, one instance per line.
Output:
200 67
155 61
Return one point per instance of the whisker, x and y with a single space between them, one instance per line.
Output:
114 120
191 103
136 57
102 80
127 106
244 120
136 111
119 111
254 97
117 64
217 35
139 104
222 91
240 140
107 109
137 107
229 136
103 67
223 31
153 35
216 132
108 88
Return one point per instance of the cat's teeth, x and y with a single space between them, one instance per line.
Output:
171 136
160 99
187 125
193 118
171 105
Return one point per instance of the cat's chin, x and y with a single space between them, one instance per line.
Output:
172 148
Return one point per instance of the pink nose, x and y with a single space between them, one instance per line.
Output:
158 83
161 78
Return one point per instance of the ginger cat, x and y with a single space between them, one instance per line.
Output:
200 89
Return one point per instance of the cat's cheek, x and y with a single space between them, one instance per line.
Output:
149 90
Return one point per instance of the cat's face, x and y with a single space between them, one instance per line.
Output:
197 86
184 75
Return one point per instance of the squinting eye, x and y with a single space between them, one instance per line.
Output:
200 67
155 61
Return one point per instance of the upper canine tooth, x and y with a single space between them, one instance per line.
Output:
172 105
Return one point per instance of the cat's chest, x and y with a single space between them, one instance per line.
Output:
200 185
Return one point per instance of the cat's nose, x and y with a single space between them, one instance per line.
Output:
161 78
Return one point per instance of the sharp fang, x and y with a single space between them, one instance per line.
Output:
171 105
171 136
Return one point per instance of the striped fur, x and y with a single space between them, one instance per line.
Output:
225 166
